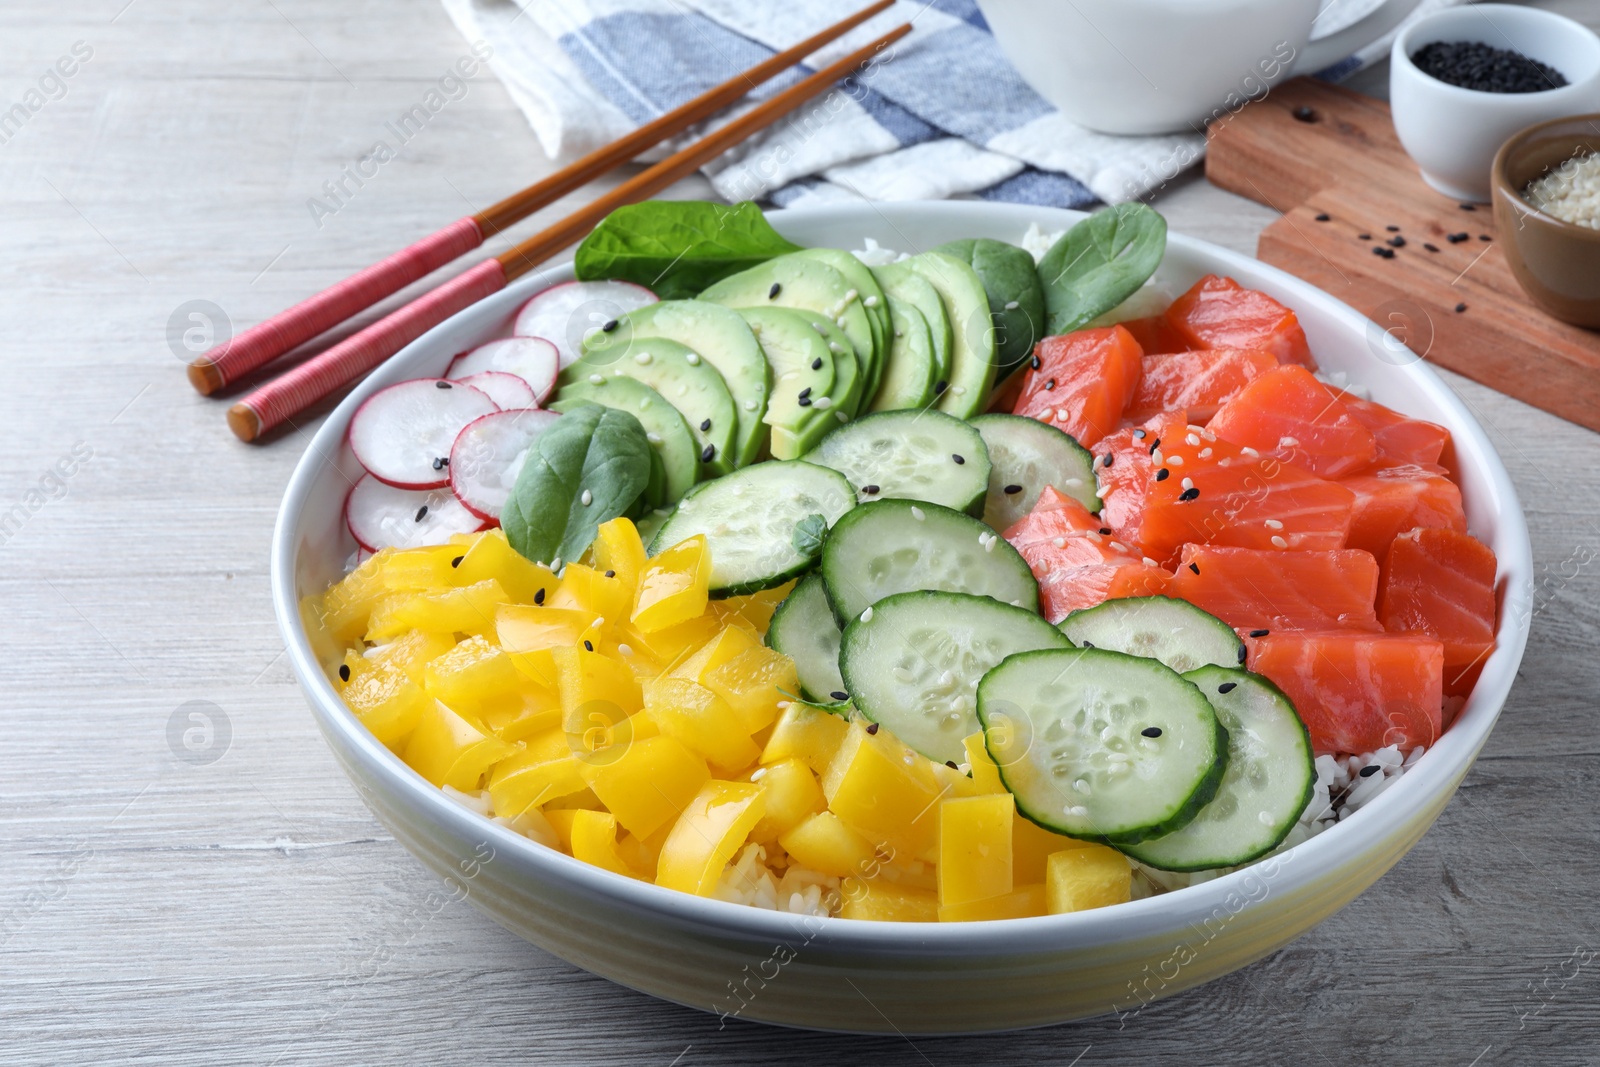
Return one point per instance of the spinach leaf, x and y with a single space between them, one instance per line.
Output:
1099 263
1016 300
809 533
593 450
678 247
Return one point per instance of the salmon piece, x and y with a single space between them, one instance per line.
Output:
1357 692
1441 583
1213 492
1287 413
1220 313
1082 382
1124 484
1156 335
1400 438
1195 384
1391 500
1251 589
1076 564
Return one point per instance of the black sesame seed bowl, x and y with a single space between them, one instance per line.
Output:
930 978
1453 132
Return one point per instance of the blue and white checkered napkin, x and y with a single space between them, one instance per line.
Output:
945 116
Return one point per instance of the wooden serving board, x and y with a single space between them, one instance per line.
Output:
1343 160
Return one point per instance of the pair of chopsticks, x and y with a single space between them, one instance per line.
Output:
342 364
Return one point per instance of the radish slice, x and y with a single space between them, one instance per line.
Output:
382 516
488 455
567 313
403 434
533 359
507 390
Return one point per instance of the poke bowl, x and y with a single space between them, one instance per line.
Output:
823 971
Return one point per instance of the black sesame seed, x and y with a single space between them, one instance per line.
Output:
837 695
704 426
1304 114
872 728
816 364
708 453
588 646
870 490
441 462
1155 446
1456 238
1105 531
422 513
1383 253
1088 644
1151 731
805 392
457 561
1049 385
442 385
1139 434
1392 229
611 324
1110 458
1195 567
1013 490
1468 207
1324 217
772 294
344 672
1430 247
805 401
611 574
951 764
1482 67
1484 237
1189 494
960 460
1259 633
1397 242
1227 687
1163 474
1242 653
1460 308
939 387
538 597
1364 236
1034 363
1369 770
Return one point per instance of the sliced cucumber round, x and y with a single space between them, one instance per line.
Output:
1025 455
910 455
1268 783
912 662
909 376
664 427
897 546
1101 745
1175 632
803 628
763 524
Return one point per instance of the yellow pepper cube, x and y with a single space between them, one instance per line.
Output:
594 840
1089 877
490 555
671 645
597 695
1032 845
538 711
808 733
412 652
754 683
887 902
643 853
648 783
419 570
1024 902
345 608
673 586
974 848
475 677
530 633
468 610
561 821
953 783
584 800
617 548
728 643
884 791
446 749
586 589
702 721
753 612
544 770
823 843
712 827
385 698
792 795
985 774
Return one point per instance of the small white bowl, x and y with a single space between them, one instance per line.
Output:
1453 133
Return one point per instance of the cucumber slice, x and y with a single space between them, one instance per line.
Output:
910 372
758 522
910 455
897 546
972 353
664 427
871 295
902 283
1175 632
1268 783
723 340
802 367
688 382
1071 731
1025 455
912 662
804 630
1016 299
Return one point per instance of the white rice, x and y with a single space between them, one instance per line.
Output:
1571 192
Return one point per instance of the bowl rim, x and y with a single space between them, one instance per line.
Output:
1400 52
1501 179
1340 845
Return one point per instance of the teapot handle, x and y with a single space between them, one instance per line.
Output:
1326 51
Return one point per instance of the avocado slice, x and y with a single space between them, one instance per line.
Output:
846 394
972 354
861 279
803 368
902 283
911 372
664 427
1016 299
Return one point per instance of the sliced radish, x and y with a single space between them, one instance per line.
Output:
533 359
507 390
488 455
567 313
403 434
382 516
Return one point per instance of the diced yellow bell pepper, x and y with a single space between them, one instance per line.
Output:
806 732
419 570
586 589
530 633
1089 877
490 555
755 611
754 683
539 711
643 853
884 791
710 830
985 775
475 678
617 548
823 843
594 840
584 800
412 652
544 770
1032 845
468 610
729 642
598 694
887 902
974 848
649 784
561 821
385 699
1024 902
347 605
953 783
673 644
702 721
448 750
673 586
792 794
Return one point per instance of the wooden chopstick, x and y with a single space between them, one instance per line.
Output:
266 341
287 396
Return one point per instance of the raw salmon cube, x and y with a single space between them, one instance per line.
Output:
1156 335
1252 589
1392 500
1441 583
1220 313
1083 381
1195 383
1076 560
1400 438
1287 413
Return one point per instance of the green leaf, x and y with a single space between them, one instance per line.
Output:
678 247
1016 300
593 449
1099 263
809 533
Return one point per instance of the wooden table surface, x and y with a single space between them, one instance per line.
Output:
249 909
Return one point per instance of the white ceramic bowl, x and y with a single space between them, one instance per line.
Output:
1453 133
837 974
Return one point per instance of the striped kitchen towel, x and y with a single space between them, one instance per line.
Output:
941 114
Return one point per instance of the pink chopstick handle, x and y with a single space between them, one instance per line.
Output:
350 359
266 341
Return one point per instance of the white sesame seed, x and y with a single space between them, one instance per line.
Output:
959 390
917 513
1072 483
626 650
822 403
1119 546
693 359
1278 542
1288 442
1059 542
1247 450
750 405
1188 483
1093 535
871 301
653 437
1192 439
989 545
849 295
595 379
1273 524
866 616
835 347
643 359
1011 305
1148 562
839 322
758 774
1175 461
842 416
1205 453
